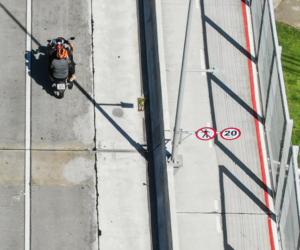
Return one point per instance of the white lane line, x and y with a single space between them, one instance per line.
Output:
210 143
202 61
219 229
216 205
28 134
197 4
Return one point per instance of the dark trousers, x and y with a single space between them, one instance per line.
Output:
71 68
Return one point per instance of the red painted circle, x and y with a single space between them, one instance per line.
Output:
230 139
204 132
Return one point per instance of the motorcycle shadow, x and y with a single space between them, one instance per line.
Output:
38 67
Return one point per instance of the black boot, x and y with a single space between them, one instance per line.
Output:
70 85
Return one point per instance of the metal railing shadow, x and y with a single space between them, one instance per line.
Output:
243 167
136 145
19 24
223 171
213 79
41 62
38 68
291 59
207 20
121 104
38 77
236 97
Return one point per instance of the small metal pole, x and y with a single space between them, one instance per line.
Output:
176 137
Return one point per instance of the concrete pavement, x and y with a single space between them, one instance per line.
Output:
288 12
89 180
219 192
12 130
89 185
124 218
276 3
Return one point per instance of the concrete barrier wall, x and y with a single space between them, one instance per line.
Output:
158 179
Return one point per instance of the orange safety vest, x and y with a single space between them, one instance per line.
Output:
62 53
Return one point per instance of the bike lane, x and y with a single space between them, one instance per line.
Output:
220 190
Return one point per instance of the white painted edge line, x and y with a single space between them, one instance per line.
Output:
216 205
210 142
202 61
261 128
28 132
174 224
163 79
162 64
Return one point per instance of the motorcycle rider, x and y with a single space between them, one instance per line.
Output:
62 65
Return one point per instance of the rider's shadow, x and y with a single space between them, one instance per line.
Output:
38 67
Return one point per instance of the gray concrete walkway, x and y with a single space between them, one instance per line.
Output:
219 191
288 12
123 204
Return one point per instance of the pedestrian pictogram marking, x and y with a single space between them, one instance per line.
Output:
206 133
231 133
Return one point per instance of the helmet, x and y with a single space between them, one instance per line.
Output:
59 42
62 53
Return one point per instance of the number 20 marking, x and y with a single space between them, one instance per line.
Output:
231 133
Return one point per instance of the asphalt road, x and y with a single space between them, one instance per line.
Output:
88 182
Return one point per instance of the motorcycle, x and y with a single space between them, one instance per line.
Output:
60 84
